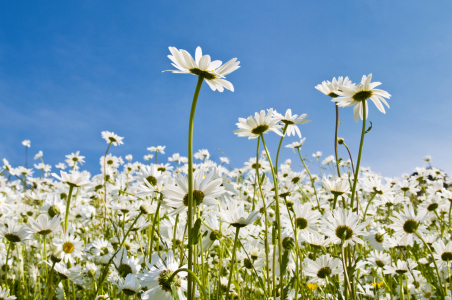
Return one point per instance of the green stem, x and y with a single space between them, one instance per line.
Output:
257 171
68 203
194 276
367 207
104 273
310 177
156 215
440 285
278 215
363 132
190 212
335 141
232 261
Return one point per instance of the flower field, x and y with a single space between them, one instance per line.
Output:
195 228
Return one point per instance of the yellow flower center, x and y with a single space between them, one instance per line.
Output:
68 247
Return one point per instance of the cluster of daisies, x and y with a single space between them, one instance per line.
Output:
195 228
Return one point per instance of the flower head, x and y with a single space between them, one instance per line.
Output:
253 127
357 96
213 72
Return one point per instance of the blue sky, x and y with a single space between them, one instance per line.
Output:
71 69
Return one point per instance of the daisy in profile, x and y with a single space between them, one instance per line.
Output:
342 227
291 122
234 213
112 138
160 149
401 267
74 158
329 88
337 186
205 190
379 259
26 143
74 179
4 294
43 226
253 127
160 282
357 96
213 72
296 145
443 253
14 232
129 286
323 267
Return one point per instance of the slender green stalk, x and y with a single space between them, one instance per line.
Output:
105 184
203 290
232 261
104 273
68 203
257 171
335 141
310 177
190 212
363 132
156 216
278 214
440 284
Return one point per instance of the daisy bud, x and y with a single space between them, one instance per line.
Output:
340 141
145 208
288 243
91 273
56 256
114 241
53 211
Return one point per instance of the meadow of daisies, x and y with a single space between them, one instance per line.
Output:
194 228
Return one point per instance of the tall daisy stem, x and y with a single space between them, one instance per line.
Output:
440 285
106 268
190 212
363 132
335 142
278 214
68 203
310 177
232 261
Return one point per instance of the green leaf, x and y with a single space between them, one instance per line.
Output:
174 292
195 232
370 127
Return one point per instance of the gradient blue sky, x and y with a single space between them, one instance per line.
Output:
71 69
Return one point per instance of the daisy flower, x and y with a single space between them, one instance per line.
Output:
14 232
160 149
305 218
253 127
443 253
73 159
401 267
296 145
75 179
290 121
71 246
212 72
4 294
342 227
205 190
43 226
112 138
357 96
234 212
329 88
406 224
160 282
26 143
323 267
129 286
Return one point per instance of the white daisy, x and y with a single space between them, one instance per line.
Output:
357 96
211 71
342 227
253 127
112 138
323 267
